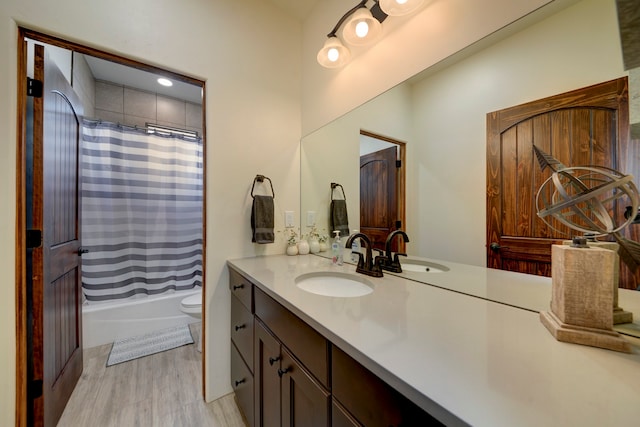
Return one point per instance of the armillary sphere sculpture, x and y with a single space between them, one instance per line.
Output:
583 198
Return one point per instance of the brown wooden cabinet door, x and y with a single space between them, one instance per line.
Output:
56 281
588 126
266 380
304 401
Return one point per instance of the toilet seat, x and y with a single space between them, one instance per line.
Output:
192 305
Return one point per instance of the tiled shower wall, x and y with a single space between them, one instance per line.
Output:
121 104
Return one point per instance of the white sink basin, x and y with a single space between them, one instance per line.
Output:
334 284
418 266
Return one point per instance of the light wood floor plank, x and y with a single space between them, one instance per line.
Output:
161 390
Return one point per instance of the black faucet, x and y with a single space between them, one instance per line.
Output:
366 265
388 262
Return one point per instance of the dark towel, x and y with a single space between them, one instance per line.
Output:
339 220
262 219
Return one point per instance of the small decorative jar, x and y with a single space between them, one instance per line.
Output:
314 246
303 247
292 249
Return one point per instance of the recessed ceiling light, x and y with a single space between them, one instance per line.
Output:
165 82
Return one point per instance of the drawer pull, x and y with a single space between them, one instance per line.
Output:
238 327
236 287
238 382
273 360
281 372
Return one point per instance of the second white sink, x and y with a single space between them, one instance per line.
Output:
334 284
418 266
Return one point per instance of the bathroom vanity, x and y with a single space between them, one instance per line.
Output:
411 353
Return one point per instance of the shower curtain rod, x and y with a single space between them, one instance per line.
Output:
151 128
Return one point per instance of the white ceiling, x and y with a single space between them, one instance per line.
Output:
134 78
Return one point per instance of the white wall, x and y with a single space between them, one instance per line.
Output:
253 126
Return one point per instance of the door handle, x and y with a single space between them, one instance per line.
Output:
82 251
494 246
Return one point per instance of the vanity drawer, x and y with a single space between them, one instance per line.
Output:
242 330
310 348
369 399
242 384
241 288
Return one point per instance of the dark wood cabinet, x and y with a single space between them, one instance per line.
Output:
304 401
242 383
368 399
285 373
242 365
267 395
286 393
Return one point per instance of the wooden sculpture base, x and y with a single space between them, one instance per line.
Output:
601 338
619 314
582 297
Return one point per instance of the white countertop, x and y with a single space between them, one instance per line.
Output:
485 363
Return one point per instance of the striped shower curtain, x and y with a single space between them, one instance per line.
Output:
142 198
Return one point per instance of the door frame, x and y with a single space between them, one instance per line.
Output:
21 414
401 179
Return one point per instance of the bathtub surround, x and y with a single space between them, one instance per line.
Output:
142 212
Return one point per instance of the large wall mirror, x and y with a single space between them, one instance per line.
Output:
441 116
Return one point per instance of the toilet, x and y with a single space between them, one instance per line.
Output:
192 306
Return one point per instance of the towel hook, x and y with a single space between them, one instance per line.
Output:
261 178
333 187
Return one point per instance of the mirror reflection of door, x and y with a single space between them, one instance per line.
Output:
588 126
381 189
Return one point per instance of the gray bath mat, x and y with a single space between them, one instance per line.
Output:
151 343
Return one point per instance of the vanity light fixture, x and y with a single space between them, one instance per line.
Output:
165 82
399 7
362 25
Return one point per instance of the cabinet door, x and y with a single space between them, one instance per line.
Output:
267 382
304 401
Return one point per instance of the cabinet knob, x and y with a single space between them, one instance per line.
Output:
238 327
273 360
236 287
281 372
238 382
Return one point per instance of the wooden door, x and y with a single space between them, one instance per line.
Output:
266 380
587 126
304 401
56 283
378 196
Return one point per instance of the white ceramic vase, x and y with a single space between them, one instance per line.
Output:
323 246
303 247
292 249
314 246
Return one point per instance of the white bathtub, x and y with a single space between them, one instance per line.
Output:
103 323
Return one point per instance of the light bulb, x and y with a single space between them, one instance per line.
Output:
399 7
333 54
362 29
